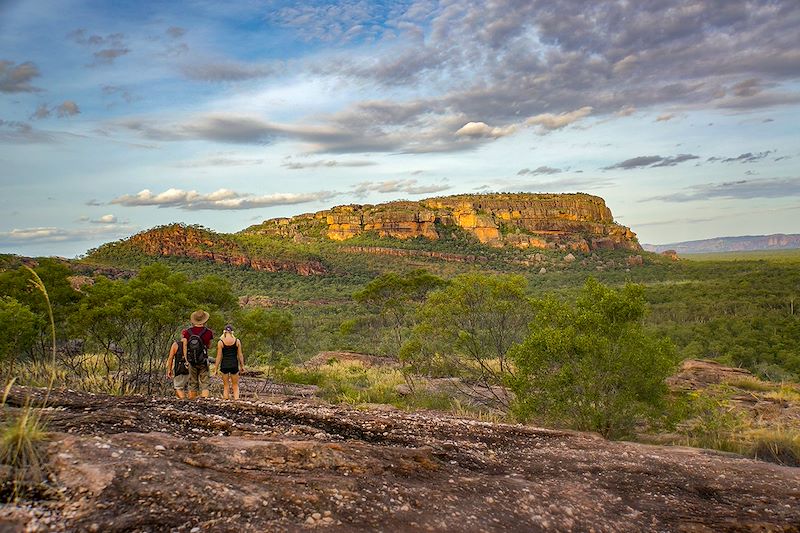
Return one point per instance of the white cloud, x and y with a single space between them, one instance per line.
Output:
483 130
221 199
548 122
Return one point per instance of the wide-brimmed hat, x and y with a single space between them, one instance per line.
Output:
199 317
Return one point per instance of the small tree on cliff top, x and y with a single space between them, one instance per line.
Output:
591 366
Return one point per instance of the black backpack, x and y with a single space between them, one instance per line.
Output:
180 364
196 351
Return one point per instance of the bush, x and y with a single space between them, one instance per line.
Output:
592 366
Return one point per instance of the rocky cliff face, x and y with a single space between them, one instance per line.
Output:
576 221
196 243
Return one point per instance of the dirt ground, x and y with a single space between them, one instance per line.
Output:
288 463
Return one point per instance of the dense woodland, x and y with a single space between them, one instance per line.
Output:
494 322
741 312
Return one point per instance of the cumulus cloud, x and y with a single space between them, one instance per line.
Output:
665 117
539 171
740 189
105 219
17 78
651 161
222 199
408 186
548 122
481 129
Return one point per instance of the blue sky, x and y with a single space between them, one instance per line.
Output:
118 116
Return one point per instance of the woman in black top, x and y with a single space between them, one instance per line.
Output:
229 362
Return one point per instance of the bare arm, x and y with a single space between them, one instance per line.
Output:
184 342
218 358
172 351
239 355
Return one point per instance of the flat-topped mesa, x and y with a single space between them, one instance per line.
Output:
577 221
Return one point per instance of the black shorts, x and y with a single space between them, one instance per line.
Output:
229 369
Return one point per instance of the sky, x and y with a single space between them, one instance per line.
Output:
115 117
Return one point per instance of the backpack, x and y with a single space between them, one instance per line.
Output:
196 351
180 368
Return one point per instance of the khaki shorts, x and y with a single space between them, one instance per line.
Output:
198 378
181 382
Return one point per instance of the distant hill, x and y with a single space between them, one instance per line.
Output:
778 241
503 229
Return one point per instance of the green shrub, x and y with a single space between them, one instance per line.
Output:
592 366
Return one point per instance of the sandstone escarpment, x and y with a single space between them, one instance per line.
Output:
200 244
576 221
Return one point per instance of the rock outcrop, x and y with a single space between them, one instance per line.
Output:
281 464
197 243
575 221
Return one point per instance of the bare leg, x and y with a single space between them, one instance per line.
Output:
225 386
180 394
235 384
192 394
204 394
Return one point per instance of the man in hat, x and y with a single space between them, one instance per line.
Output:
198 374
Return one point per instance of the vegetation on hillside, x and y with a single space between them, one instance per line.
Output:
456 328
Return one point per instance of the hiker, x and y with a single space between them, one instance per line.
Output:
229 362
196 341
177 370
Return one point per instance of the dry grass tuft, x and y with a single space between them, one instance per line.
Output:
21 435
